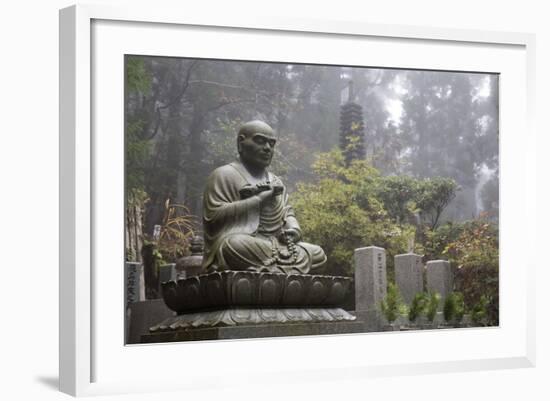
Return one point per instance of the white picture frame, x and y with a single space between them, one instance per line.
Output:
89 356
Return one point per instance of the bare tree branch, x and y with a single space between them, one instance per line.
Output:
186 83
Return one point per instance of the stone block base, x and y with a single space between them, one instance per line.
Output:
247 316
140 316
255 331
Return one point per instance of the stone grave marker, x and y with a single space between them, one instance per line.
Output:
439 278
370 284
135 282
408 275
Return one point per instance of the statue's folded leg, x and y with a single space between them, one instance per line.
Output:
316 253
242 251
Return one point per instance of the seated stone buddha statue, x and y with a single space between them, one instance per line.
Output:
248 223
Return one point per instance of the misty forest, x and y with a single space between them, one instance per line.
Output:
406 160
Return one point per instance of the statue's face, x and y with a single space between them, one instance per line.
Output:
256 149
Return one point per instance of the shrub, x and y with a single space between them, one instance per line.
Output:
435 242
433 304
460 307
453 308
392 305
475 256
479 312
418 306
177 229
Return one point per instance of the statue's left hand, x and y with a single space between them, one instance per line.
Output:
292 234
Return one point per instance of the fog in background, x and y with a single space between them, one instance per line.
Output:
183 119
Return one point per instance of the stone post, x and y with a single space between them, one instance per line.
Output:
167 273
408 275
439 278
370 284
135 282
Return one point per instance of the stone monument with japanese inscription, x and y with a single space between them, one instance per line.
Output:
409 275
135 282
439 278
370 284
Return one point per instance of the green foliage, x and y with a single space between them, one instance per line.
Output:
434 195
138 147
475 256
138 78
177 229
453 308
435 242
392 305
460 309
137 153
136 198
349 206
418 306
340 212
157 259
480 312
399 195
433 303
157 256
472 249
404 197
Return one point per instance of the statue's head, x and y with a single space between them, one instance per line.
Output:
256 144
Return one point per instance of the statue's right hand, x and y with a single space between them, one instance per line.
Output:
265 195
247 191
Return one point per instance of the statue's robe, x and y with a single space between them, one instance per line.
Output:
241 234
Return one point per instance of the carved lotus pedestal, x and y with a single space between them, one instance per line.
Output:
262 303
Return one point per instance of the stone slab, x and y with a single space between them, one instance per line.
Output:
256 331
439 278
370 278
408 275
142 315
248 316
370 284
135 282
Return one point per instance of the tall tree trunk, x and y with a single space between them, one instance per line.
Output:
168 165
196 179
134 228
150 271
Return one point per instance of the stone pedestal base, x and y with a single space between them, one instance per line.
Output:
255 331
247 316
140 316
246 304
246 289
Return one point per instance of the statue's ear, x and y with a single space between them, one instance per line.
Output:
240 138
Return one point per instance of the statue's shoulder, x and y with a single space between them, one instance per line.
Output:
225 172
225 169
